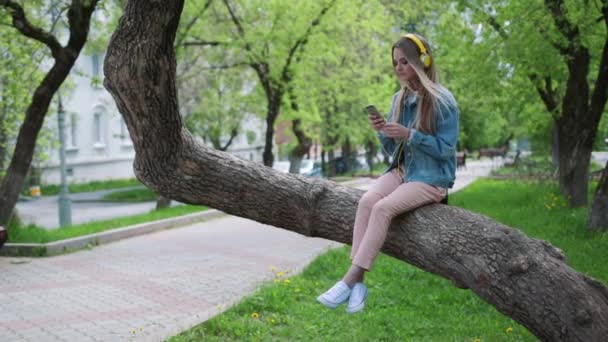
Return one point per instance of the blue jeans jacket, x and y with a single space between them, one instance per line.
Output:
426 158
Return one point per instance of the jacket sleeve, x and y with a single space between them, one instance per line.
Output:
443 145
388 144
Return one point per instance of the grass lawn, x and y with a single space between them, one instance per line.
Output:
405 303
53 189
131 196
33 234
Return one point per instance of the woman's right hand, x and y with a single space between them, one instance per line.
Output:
376 121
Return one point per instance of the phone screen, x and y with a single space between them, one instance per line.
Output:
371 109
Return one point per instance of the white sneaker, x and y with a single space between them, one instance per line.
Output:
357 298
335 296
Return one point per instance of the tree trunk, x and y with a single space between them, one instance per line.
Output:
331 164
274 106
346 156
598 215
162 202
3 236
526 279
303 147
555 146
575 146
79 16
371 149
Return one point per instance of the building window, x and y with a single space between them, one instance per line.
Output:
95 65
97 129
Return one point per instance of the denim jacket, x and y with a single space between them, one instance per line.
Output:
426 158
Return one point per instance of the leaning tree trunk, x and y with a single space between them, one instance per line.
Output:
526 279
598 215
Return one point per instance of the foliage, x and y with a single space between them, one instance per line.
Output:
19 73
131 196
53 189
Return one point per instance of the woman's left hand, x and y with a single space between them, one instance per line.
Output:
396 131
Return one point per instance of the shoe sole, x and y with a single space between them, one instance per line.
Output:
357 308
328 304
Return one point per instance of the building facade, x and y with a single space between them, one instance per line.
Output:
98 146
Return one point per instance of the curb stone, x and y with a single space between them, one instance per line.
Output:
86 241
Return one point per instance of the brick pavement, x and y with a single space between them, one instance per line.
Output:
146 288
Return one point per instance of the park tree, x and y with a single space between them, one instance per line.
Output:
248 34
561 48
18 75
526 279
349 68
63 58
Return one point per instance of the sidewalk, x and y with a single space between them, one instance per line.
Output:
154 286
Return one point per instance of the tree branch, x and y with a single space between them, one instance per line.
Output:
301 42
600 90
546 93
565 27
23 25
204 43
190 24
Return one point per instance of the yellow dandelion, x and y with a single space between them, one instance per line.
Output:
273 268
287 281
509 330
133 331
476 340
272 321
547 206
255 315
280 274
277 280
287 271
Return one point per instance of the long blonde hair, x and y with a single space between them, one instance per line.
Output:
432 95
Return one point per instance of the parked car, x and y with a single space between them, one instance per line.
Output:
282 166
310 168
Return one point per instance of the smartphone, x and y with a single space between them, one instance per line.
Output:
371 109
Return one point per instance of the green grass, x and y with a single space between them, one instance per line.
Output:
33 234
405 303
53 189
131 196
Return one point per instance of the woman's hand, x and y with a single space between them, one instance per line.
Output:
396 131
376 121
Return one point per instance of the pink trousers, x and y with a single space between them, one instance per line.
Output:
387 197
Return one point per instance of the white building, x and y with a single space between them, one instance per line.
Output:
98 146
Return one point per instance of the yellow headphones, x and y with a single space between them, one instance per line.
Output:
425 58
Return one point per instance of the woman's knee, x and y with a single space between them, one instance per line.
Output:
383 209
368 200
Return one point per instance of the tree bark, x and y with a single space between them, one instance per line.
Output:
598 215
526 279
162 202
304 144
79 17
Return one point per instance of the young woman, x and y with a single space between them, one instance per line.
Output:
421 135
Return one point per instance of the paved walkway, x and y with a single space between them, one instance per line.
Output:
154 286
